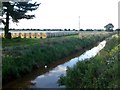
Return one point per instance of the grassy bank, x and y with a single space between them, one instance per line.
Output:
100 71
21 56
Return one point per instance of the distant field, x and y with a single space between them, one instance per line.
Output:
30 41
38 34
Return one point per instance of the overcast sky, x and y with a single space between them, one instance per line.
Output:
61 14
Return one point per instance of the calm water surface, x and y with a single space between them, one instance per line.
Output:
49 79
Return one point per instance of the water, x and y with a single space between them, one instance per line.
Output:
49 79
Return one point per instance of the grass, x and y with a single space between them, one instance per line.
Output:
100 71
30 41
19 42
21 56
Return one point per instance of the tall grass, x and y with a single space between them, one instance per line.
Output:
100 71
19 60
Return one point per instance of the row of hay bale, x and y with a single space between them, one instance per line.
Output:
26 35
39 35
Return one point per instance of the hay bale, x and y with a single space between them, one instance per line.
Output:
13 35
17 35
38 35
32 35
3 35
22 35
27 35
44 35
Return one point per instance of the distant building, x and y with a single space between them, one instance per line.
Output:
109 27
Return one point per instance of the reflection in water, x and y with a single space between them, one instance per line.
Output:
49 79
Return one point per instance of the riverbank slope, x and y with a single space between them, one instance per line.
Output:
100 71
21 56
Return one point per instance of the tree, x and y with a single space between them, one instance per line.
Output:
16 11
109 27
0 7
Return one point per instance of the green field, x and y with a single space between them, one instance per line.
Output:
21 56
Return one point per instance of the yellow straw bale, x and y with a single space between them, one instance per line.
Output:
22 35
3 35
13 35
32 35
17 34
27 35
44 35
38 35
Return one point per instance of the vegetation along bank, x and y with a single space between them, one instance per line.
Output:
100 71
21 56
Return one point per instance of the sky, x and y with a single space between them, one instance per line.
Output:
64 14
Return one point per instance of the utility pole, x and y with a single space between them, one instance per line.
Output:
79 23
